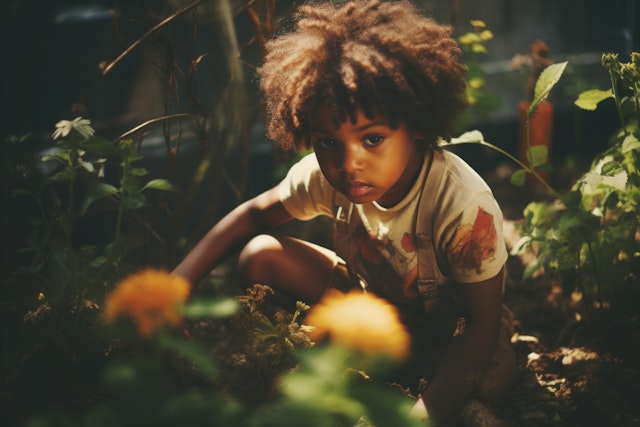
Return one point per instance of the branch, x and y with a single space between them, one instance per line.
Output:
147 123
149 33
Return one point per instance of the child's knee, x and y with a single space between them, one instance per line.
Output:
257 257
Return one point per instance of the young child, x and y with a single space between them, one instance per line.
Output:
372 87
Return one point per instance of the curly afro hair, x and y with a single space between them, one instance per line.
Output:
382 57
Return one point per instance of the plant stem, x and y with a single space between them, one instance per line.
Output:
119 222
71 254
149 33
596 274
527 130
147 123
527 168
73 154
616 97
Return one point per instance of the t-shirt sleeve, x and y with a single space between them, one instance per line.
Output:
473 241
305 192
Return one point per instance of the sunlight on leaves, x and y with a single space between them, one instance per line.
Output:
213 308
537 155
547 80
158 184
630 143
590 99
618 181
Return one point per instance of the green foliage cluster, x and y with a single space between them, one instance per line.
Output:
474 44
143 382
594 233
69 272
590 236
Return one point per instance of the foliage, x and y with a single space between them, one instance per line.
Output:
473 44
590 236
87 212
143 381
69 270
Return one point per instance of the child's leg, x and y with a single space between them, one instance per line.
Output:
295 269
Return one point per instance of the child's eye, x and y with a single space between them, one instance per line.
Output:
373 140
325 143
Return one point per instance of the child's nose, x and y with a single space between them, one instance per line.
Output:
352 158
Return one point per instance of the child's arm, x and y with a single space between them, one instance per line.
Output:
251 218
468 354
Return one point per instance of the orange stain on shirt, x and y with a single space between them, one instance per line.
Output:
475 243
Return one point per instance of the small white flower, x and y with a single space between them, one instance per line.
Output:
82 126
63 127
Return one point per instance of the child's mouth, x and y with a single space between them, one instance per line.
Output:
358 189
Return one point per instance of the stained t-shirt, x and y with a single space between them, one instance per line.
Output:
467 226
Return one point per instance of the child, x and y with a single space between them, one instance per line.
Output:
372 87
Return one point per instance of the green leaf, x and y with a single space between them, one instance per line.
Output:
95 192
100 147
521 245
115 250
518 177
158 184
385 406
193 352
589 100
133 201
611 168
98 261
547 80
214 308
572 199
138 171
62 156
630 143
537 155
130 184
64 175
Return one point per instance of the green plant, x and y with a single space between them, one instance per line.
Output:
66 268
473 44
160 376
129 194
590 236
537 155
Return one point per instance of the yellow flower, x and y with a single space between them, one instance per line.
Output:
150 297
361 321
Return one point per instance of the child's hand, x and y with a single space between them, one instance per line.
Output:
419 411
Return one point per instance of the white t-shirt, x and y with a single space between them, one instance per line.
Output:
467 226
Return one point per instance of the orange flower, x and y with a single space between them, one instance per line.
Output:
361 321
151 297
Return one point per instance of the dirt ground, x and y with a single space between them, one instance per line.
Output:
573 371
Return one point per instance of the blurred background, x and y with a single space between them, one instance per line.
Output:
125 63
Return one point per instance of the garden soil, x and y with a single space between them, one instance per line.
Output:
574 370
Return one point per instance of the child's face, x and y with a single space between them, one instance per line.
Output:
367 160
